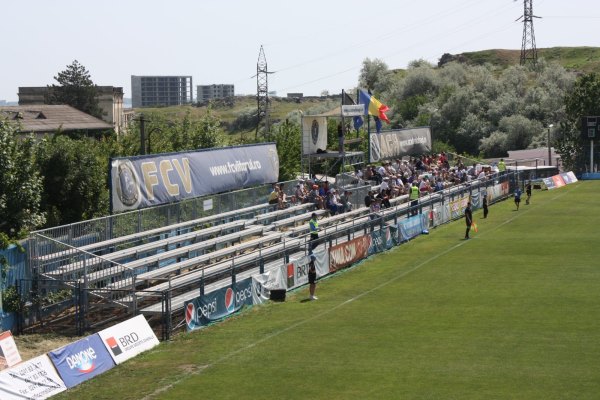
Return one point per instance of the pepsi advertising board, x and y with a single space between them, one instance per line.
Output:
128 339
211 307
81 360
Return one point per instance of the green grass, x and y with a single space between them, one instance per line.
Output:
582 59
510 314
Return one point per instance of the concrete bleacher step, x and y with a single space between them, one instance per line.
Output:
137 251
249 212
228 252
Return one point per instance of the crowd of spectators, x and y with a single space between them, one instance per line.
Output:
430 173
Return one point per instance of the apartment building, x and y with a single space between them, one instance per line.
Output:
152 91
209 92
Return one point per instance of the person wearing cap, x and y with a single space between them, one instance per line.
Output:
315 198
312 277
313 226
385 184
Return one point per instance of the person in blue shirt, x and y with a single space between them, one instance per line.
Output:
518 197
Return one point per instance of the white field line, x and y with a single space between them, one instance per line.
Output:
332 309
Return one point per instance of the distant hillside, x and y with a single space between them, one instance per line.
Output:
581 59
235 113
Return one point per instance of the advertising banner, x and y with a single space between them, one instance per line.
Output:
569 177
314 134
549 182
412 227
440 214
297 271
381 240
345 254
9 355
398 143
558 181
32 379
81 360
261 292
128 339
457 207
498 191
145 181
216 305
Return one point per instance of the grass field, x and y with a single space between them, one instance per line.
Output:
511 314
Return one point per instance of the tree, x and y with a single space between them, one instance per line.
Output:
287 137
582 100
20 184
374 75
75 179
76 89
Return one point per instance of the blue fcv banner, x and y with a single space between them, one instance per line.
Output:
412 227
81 360
216 305
145 181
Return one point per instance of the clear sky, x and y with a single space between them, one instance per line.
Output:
311 45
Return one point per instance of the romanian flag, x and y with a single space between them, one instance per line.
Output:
373 106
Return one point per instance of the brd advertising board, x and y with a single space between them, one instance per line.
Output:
144 181
128 339
81 360
32 379
216 305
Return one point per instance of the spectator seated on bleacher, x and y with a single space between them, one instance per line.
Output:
345 201
274 195
315 198
333 202
283 200
300 193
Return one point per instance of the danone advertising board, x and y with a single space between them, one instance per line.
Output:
144 181
81 360
128 339
216 305
32 379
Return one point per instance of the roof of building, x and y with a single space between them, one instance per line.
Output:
50 118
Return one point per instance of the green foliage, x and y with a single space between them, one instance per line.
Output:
374 75
166 134
75 178
75 88
287 137
11 302
246 120
20 184
582 100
